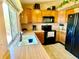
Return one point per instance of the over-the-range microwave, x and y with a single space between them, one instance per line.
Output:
48 19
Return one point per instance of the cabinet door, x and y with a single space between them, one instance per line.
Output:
62 17
40 36
26 16
57 36
36 16
51 13
46 13
29 15
55 14
60 37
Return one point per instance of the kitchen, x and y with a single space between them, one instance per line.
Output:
42 29
40 18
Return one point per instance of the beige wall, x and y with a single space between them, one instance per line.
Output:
3 39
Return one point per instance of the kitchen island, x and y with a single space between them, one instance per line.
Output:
31 51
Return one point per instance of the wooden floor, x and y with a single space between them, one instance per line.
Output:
57 51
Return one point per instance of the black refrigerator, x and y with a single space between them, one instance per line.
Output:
72 34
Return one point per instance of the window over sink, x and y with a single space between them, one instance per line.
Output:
10 18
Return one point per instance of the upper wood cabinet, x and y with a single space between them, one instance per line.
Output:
50 13
26 16
62 16
29 15
55 14
70 11
36 16
46 13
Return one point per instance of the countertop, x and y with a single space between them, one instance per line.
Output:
63 31
37 51
30 51
38 31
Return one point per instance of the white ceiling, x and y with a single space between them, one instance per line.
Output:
39 1
44 4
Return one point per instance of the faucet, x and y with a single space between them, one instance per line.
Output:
20 36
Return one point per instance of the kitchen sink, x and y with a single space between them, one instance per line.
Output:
28 40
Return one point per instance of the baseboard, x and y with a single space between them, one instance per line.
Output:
60 43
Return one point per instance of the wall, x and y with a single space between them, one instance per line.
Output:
3 39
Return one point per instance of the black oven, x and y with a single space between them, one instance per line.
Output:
49 37
49 34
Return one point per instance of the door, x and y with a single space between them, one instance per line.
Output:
76 41
70 32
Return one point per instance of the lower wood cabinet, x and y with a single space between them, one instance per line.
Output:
60 36
40 36
7 55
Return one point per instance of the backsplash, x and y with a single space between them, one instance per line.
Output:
55 26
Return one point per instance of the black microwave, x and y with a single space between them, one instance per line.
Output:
48 19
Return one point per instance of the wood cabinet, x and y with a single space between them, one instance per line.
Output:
62 17
70 11
40 36
26 16
46 13
60 36
36 16
55 14
50 13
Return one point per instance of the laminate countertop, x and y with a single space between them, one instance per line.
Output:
35 51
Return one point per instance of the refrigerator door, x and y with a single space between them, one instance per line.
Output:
76 41
70 33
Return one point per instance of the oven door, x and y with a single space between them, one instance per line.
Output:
49 37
